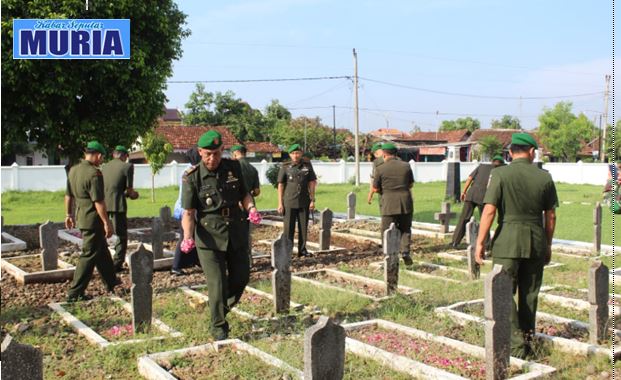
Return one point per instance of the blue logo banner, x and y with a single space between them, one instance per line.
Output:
71 39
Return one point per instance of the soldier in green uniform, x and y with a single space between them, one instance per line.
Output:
118 184
296 195
377 152
212 193
522 243
249 172
85 186
394 180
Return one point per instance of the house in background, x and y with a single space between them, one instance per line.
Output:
258 151
432 146
504 137
171 116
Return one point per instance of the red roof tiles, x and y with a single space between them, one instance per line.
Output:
261 147
184 137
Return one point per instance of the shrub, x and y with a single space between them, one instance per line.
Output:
272 174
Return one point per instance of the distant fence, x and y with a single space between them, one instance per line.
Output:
53 178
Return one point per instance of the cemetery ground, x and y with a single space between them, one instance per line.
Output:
68 355
574 215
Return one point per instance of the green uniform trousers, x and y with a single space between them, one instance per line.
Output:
527 277
94 254
119 222
403 222
227 275
299 215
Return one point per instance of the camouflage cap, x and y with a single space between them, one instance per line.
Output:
210 140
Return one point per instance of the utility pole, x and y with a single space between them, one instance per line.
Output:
334 126
356 126
605 127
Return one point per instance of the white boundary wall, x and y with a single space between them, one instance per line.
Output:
53 178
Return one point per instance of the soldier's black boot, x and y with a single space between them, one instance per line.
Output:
407 260
303 253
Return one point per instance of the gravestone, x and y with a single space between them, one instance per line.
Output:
166 217
598 300
141 271
351 206
474 269
324 351
48 240
392 238
157 242
472 231
498 298
597 227
445 216
281 274
325 233
453 177
20 361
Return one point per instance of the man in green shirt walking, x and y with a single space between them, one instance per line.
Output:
118 184
85 186
522 243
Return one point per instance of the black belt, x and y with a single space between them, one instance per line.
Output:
227 212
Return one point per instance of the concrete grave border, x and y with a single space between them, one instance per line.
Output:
415 368
149 369
562 344
456 255
312 247
192 292
15 244
404 290
99 340
64 272
425 276
574 302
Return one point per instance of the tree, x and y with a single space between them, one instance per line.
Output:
507 122
462 123
564 133
613 150
156 149
489 147
62 104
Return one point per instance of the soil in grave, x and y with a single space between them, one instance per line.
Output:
579 295
431 353
440 272
251 303
227 363
106 317
290 349
29 264
356 286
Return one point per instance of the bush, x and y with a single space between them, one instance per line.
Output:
272 174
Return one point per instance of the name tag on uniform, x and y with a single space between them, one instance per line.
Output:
231 178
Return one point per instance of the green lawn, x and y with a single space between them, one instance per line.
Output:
575 221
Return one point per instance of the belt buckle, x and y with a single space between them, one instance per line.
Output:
226 212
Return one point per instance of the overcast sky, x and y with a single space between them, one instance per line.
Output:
420 62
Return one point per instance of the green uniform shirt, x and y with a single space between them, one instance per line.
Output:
250 175
215 196
377 162
521 192
393 179
296 177
86 185
118 177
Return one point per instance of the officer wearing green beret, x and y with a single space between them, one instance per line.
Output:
85 189
394 180
296 195
212 193
118 184
472 196
522 243
307 157
378 159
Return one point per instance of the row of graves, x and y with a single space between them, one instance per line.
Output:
334 315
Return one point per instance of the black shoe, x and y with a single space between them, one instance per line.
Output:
407 260
83 297
116 282
303 253
177 272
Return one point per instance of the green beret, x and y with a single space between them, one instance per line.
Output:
498 157
307 155
96 146
236 148
377 146
524 139
389 146
210 140
121 148
294 147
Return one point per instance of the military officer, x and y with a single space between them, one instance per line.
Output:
85 186
296 195
394 180
249 172
307 157
377 152
212 193
472 196
118 184
520 193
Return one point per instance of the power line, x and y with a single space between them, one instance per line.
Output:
479 96
260 80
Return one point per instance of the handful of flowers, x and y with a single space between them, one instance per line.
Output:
187 245
254 216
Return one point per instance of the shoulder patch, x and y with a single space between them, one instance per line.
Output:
191 170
